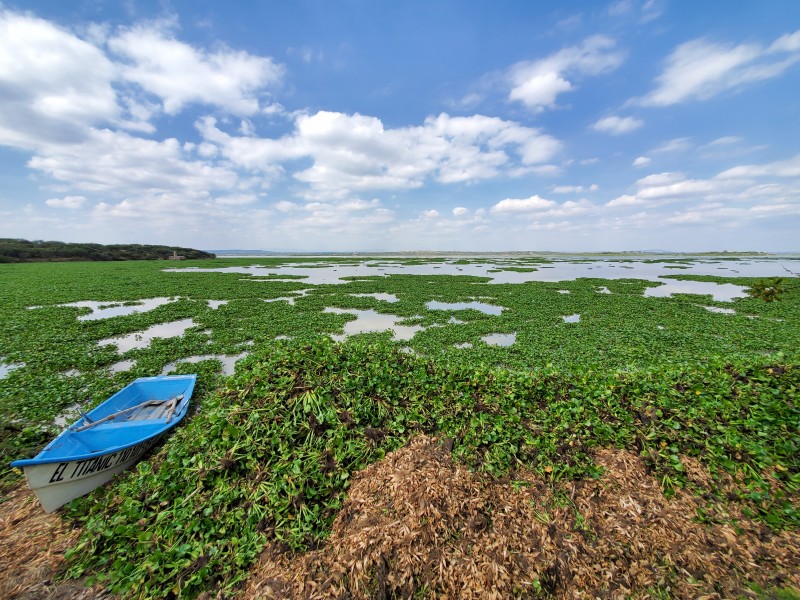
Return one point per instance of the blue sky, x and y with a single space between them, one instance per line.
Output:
363 125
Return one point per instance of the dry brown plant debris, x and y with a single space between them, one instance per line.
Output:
32 546
418 525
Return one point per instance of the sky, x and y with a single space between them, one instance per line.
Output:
369 125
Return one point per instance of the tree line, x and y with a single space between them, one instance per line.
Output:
18 250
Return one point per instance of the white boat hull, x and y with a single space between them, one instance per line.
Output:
56 483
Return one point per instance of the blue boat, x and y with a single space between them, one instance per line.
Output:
108 439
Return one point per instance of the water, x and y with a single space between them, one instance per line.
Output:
576 318
122 366
228 362
368 321
559 270
721 292
106 310
289 299
379 296
488 309
142 339
500 339
724 311
6 368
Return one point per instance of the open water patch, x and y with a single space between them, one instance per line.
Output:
488 309
122 366
228 362
717 309
391 298
142 339
721 292
370 321
6 368
500 339
496 270
576 318
106 310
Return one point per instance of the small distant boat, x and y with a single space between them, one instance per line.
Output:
108 439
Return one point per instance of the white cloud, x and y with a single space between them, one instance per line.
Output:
673 146
53 85
642 161
515 205
115 162
782 168
460 211
236 199
625 200
699 69
646 10
538 84
71 202
567 189
286 206
180 74
356 153
431 214
617 125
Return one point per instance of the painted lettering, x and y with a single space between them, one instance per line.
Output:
90 466
58 474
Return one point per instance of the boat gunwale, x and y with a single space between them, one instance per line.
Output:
41 458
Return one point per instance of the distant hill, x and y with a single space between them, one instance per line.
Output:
16 250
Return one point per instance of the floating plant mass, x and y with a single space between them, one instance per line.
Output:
311 370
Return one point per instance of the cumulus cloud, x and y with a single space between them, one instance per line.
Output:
642 161
117 162
523 205
356 153
782 168
53 84
460 211
180 74
700 69
71 202
617 125
538 84
748 191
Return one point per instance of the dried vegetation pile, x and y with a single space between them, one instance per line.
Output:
32 546
418 525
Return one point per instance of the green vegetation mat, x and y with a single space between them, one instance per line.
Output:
268 453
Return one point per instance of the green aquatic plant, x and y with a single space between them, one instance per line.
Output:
270 454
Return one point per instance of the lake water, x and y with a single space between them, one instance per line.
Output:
332 272
365 321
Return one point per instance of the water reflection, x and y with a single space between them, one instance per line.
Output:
6 368
576 318
500 339
228 362
651 268
488 309
378 296
369 321
142 339
106 310
716 309
721 292
121 366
